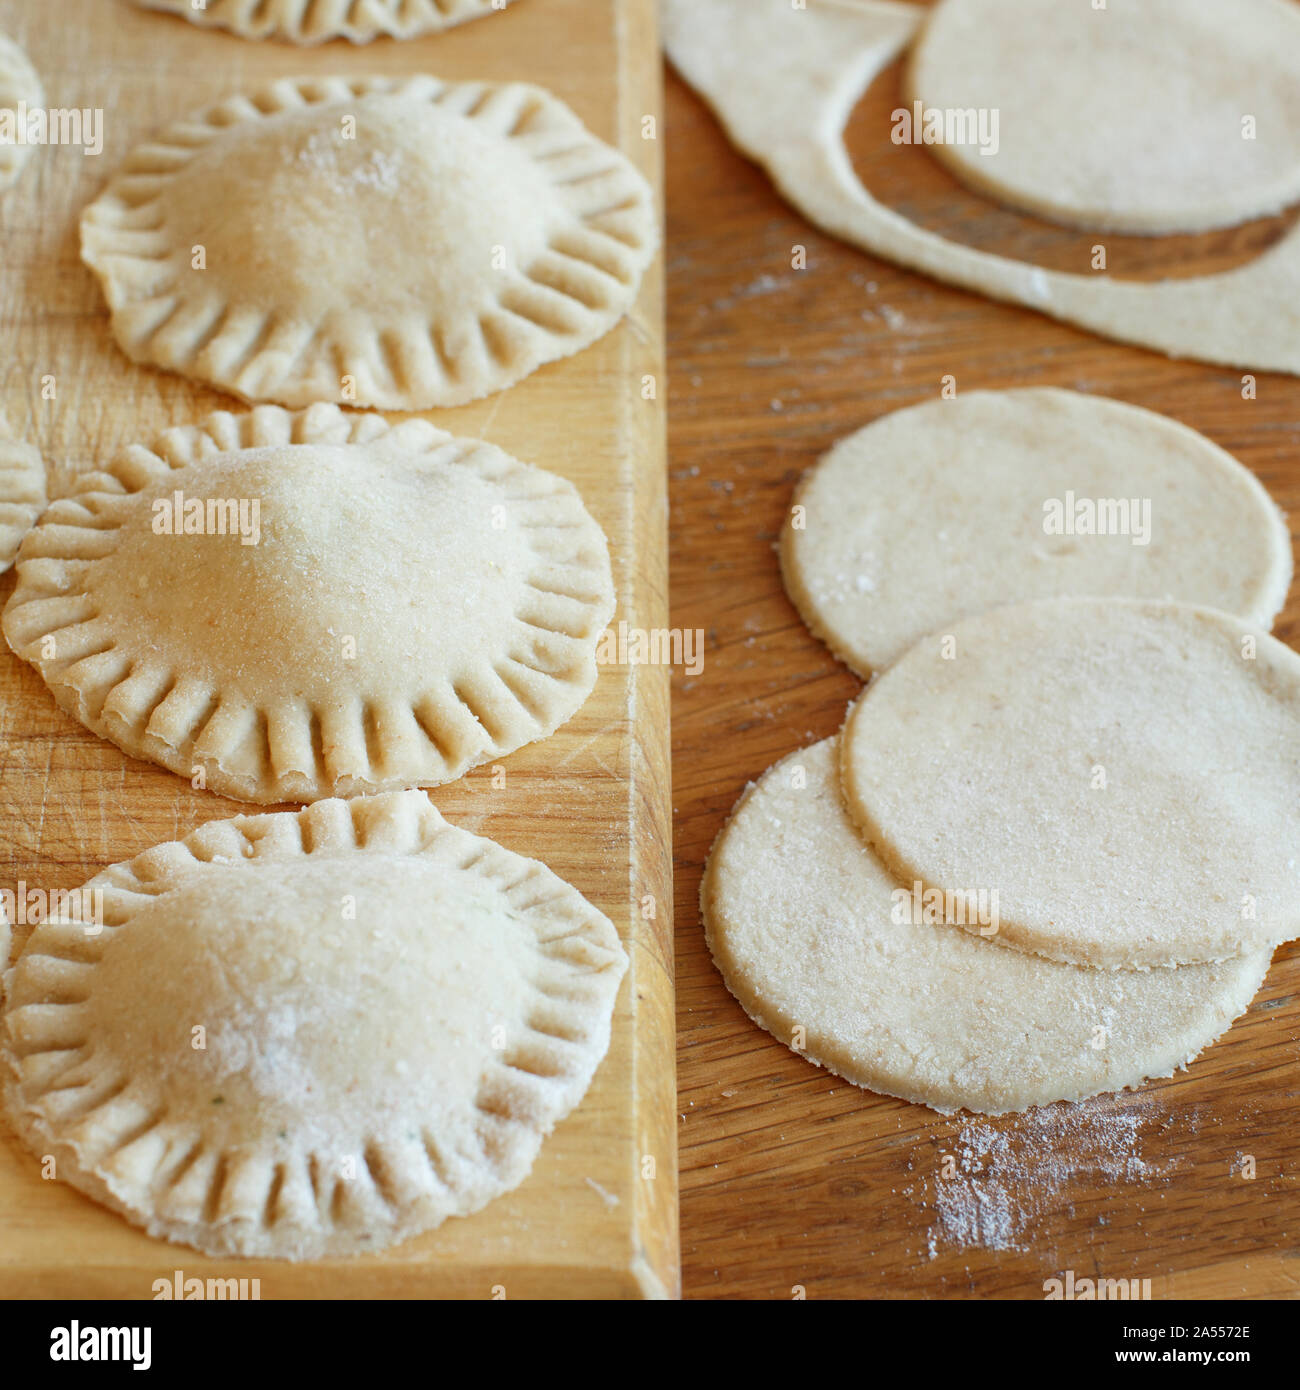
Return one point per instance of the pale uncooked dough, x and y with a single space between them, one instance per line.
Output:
399 242
1125 775
1144 116
939 511
784 82
22 491
310 1033
315 603
314 21
799 916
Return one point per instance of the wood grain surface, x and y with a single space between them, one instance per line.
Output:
598 1215
795 1183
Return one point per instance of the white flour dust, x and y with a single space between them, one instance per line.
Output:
996 1178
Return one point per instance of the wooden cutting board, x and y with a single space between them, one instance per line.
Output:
598 1216
793 1182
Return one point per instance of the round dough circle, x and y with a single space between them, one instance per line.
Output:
360 606
799 915
942 510
315 21
239 1060
496 234
1125 775
1128 118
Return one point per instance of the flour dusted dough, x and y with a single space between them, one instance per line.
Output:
22 492
18 83
799 918
313 21
1124 774
936 512
784 82
414 604
394 242
1129 118
391 1015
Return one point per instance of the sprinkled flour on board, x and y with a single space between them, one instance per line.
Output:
1008 1173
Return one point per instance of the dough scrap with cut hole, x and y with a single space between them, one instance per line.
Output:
412 604
18 83
393 242
936 512
799 915
315 21
784 83
238 1063
1130 118
22 492
1124 774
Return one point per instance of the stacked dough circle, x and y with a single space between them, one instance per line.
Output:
1053 848
1145 116
309 1034
498 235
314 604
944 509
801 918
314 21
1125 774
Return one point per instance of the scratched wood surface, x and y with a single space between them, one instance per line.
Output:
595 1218
790 1177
